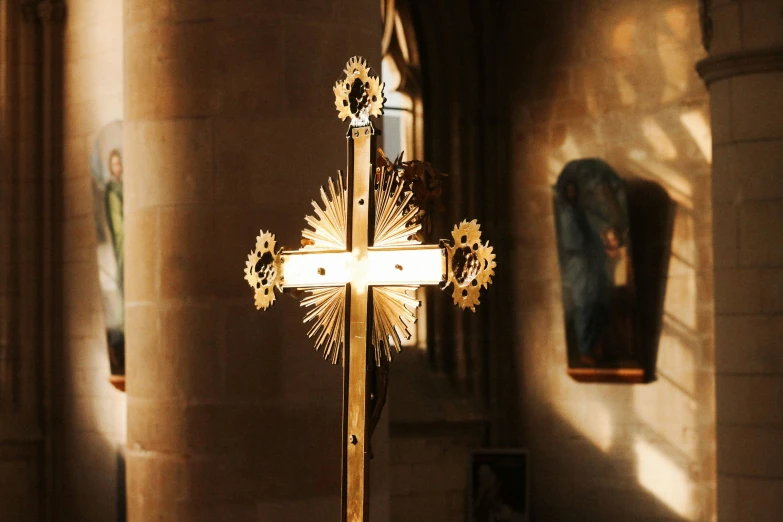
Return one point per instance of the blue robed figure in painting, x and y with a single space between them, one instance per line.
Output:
592 227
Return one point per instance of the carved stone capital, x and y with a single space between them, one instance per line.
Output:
728 65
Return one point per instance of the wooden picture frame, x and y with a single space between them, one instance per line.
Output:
613 243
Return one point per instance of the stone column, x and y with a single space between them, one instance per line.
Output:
744 73
22 434
30 179
230 127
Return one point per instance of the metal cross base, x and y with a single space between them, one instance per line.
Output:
360 267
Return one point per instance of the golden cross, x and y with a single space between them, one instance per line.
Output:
361 266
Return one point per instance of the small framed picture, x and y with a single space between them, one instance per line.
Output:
499 486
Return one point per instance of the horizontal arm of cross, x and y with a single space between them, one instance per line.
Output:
415 265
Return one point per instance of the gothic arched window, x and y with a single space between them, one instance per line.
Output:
400 70
403 111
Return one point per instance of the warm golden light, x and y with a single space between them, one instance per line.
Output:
623 37
303 269
570 149
360 265
658 140
668 409
677 67
678 23
679 188
413 266
594 421
674 55
662 477
390 74
700 131
403 41
625 89
643 124
425 265
555 166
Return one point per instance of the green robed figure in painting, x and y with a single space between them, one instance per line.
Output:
113 206
107 173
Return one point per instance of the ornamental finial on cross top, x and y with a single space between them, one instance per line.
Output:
360 266
358 95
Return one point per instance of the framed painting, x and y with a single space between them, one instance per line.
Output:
498 489
106 171
595 246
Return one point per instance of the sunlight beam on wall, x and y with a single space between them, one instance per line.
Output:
663 478
570 149
625 89
669 413
624 37
555 166
680 189
699 130
594 422
658 140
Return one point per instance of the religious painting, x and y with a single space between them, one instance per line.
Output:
498 490
597 273
106 172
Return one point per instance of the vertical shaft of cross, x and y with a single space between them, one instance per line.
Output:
363 237
356 465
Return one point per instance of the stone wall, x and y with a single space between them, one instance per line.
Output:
434 430
21 448
613 80
429 473
92 424
242 132
745 79
28 103
230 127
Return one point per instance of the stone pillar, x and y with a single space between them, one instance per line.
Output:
22 434
30 180
230 127
744 73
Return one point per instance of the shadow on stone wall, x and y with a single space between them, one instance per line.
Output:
651 214
615 81
122 498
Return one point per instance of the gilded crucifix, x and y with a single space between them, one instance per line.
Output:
360 266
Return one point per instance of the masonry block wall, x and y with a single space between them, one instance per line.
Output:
746 87
434 430
22 442
91 438
614 80
430 473
230 127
